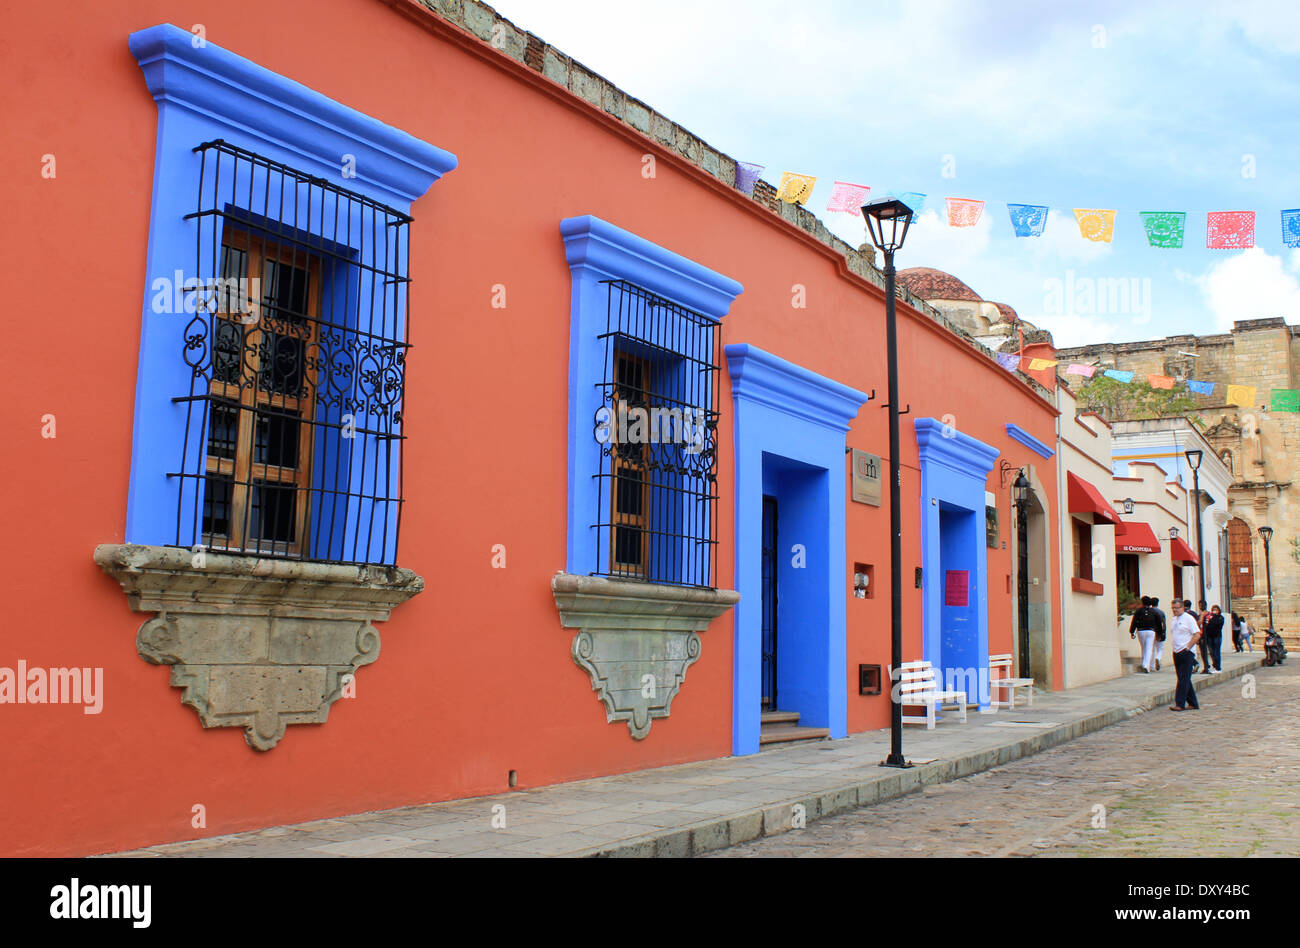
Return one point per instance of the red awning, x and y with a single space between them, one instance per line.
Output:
1134 536
1180 552
1086 499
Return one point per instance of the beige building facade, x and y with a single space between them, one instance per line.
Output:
1259 446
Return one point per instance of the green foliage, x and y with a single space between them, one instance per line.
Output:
1127 600
1120 401
1295 548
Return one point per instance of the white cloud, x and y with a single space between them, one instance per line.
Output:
1251 284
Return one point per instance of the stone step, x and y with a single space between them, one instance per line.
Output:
790 734
780 717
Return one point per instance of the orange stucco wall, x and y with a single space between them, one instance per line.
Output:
475 678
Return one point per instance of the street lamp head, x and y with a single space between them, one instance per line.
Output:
1128 503
1193 459
887 223
1020 489
1173 533
1266 533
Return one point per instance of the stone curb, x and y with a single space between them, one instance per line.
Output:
774 819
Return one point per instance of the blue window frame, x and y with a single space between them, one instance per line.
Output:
334 187
644 338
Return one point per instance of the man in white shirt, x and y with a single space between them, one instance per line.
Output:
1183 635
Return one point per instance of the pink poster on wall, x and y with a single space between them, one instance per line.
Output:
956 588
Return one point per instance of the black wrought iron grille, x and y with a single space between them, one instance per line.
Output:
296 354
657 424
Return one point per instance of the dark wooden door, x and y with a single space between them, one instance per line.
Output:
1241 559
769 604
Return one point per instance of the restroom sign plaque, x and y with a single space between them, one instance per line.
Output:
866 478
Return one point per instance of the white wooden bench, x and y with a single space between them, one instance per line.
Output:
917 686
1001 664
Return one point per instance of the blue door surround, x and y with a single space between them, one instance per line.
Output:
789 427
954 468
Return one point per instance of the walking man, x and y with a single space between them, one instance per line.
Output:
1183 635
1143 628
1214 636
1160 631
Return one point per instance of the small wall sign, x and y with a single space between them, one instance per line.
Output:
866 478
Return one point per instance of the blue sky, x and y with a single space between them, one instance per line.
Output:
1137 107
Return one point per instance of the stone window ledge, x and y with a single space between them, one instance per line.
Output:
254 642
636 640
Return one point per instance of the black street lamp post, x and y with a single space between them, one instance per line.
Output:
887 222
1194 462
1267 534
1020 496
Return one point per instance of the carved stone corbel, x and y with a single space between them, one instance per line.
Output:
636 640
252 642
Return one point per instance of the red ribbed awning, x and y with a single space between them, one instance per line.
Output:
1180 552
1134 536
1086 499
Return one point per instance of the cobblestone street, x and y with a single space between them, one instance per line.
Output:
1224 781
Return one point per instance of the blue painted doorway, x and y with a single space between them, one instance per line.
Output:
959 636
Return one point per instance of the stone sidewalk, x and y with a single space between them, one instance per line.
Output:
688 809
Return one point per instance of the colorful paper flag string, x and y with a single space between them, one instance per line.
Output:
1119 376
1230 230
1291 227
1037 365
1285 399
747 176
1164 228
847 198
964 212
796 188
1243 395
1009 361
1095 224
1087 371
1200 388
1160 381
913 199
1028 220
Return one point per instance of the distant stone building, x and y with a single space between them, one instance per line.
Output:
1260 447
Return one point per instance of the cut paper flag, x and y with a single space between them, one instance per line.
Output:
1243 395
795 188
1200 388
1119 376
1037 365
1028 220
1094 224
964 212
1160 381
1087 371
1164 228
1009 361
1026 363
913 199
747 176
1230 230
1285 399
1291 227
847 198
